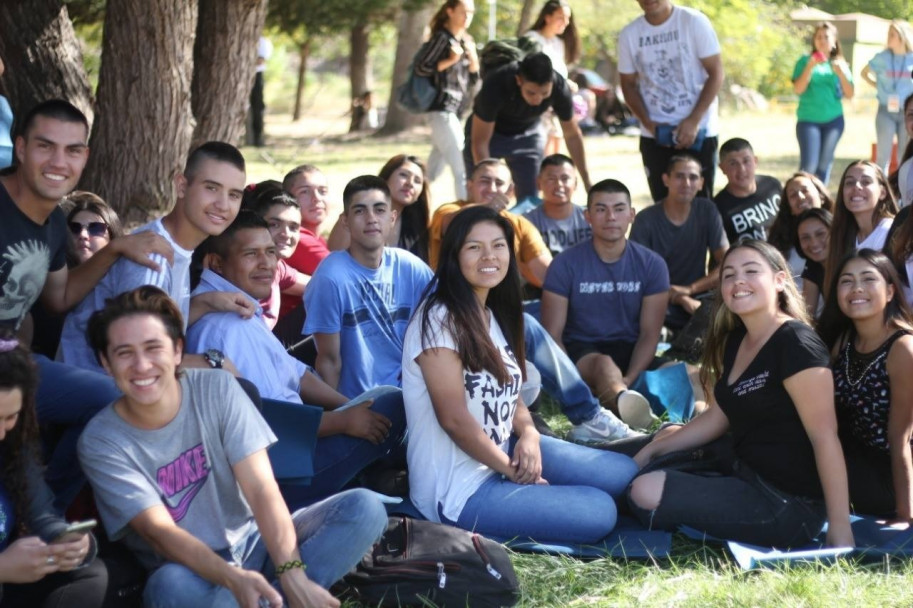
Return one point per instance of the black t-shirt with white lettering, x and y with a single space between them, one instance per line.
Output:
750 217
27 252
765 426
500 101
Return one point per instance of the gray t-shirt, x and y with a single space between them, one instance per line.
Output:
123 276
560 234
185 466
685 247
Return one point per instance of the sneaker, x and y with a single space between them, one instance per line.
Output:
604 426
635 410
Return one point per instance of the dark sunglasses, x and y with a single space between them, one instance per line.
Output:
95 229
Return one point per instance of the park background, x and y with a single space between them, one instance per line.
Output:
160 75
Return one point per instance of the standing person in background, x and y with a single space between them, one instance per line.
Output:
670 69
555 32
821 79
450 60
257 104
889 72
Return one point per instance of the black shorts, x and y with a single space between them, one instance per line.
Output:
620 352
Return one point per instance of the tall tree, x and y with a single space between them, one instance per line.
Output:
42 55
221 89
526 17
144 121
411 30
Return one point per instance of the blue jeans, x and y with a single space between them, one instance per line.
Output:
817 143
887 126
332 537
560 377
68 397
447 147
339 458
578 505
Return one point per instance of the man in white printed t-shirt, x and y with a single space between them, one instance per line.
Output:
671 72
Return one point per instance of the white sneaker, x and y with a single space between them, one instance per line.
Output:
604 426
635 410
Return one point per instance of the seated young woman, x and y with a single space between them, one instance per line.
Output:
869 329
40 565
812 241
784 475
475 458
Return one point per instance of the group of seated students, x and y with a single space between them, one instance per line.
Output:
179 332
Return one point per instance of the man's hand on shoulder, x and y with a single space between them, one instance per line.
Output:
141 246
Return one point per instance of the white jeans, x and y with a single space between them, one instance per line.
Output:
447 147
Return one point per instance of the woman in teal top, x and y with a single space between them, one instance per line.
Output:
821 79
889 72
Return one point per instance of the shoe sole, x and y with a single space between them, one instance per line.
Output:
634 410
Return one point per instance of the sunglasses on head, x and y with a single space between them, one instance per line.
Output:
95 229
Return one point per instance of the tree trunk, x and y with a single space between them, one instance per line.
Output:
142 134
304 52
359 62
224 60
526 17
409 39
42 56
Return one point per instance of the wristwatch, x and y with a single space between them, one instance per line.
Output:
214 357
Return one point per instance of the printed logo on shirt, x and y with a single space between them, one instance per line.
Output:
609 287
25 266
750 385
749 223
557 240
498 402
185 475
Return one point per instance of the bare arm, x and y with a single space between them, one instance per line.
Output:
686 132
220 301
652 315
177 545
810 293
315 391
868 76
554 315
443 374
812 391
573 138
635 102
800 84
699 431
339 237
255 477
481 137
841 69
900 425
329 360
534 270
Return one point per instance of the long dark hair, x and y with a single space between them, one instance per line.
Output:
784 225
815 213
464 320
830 27
570 36
845 229
414 218
723 320
439 21
835 328
20 446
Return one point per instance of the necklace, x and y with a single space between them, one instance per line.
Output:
865 372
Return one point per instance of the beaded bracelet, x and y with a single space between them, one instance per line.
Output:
296 563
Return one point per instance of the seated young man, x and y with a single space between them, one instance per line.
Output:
208 198
490 184
243 260
359 300
682 228
622 284
180 472
749 202
561 222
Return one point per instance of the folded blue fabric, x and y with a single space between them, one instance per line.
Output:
874 541
295 427
668 389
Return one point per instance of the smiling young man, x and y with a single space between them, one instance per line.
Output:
360 300
561 223
208 198
682 228
505 122
749 202
623 284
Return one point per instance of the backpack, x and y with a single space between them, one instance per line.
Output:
422 563
496 53
418 92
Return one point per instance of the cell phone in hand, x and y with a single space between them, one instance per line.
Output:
76 528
